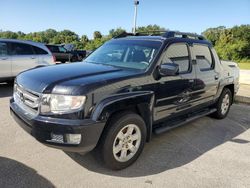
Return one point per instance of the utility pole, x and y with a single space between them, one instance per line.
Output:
136 3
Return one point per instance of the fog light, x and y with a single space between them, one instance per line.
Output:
57 138
73 138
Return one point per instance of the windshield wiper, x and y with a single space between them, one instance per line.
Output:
106 64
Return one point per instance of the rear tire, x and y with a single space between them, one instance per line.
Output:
123 140
223 104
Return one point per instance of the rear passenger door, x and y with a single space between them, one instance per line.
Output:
206 82
44 58
5 61
23 57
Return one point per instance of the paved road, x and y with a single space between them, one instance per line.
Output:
204 153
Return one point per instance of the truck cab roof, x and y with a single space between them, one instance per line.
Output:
164 36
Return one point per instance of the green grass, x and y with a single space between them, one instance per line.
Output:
245 66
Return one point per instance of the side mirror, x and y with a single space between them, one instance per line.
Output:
168 69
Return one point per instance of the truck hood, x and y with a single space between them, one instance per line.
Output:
71 78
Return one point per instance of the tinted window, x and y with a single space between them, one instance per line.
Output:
178 54
53 48
203 57
3 49
62 49
39 50
21 49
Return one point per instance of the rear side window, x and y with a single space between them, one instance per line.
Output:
39 51
62 49
53 48
3 49
178 54
203 57
21 49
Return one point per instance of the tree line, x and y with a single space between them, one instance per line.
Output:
230 43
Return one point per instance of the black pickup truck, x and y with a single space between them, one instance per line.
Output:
130 87
63 55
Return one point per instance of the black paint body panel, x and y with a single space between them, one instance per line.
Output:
110 89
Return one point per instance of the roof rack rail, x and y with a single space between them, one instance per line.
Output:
124 34
170 34
163 33
146 33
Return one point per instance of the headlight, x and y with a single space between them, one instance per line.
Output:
61 104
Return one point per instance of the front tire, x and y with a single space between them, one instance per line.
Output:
123 140
223 104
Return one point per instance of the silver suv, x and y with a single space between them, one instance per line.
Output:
19 55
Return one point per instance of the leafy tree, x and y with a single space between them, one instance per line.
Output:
20 34
213 34
50 34
116 32
234 43
150 28
8 35
97 35
94 44
84 39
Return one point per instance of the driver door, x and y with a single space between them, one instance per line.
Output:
174 93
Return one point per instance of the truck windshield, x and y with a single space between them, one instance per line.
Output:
135 54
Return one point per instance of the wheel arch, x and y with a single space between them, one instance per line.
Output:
232 89
138 102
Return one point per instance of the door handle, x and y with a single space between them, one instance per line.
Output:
32 57
216 77
4 58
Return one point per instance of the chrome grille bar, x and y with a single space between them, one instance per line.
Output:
26 99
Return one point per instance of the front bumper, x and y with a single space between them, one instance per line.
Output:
42 127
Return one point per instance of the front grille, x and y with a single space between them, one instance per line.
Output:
26 99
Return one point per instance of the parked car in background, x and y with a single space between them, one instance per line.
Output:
64 55
19 55
81 54
60 53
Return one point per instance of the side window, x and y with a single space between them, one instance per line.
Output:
21 49
62 49
39 51
203 57
53 49
178 54
3 49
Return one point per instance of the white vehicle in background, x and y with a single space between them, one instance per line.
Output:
19 55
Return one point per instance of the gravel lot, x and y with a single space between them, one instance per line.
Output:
204 153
